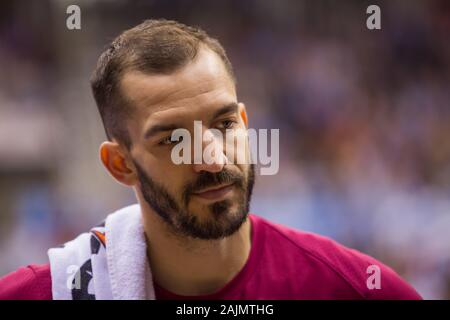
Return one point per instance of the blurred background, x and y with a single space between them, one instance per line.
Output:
364 119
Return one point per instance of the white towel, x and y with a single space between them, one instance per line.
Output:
109 262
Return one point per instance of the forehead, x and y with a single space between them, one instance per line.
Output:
200 84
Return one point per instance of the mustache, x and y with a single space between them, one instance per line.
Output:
210 179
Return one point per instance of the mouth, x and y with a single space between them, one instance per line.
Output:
216 192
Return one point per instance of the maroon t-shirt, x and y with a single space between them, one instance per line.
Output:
27 283
284 263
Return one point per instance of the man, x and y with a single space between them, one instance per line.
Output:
190 236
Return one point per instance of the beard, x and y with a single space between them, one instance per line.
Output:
221 219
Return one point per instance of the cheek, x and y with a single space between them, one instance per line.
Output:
158 159
174 177
162 170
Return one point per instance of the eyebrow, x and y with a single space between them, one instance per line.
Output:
159 128
153 130
231 107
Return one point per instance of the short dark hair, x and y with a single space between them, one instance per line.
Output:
154 47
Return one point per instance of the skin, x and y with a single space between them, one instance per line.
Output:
194 92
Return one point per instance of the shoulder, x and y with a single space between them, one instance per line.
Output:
27 283
368 277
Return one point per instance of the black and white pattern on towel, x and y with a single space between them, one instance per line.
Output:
83 277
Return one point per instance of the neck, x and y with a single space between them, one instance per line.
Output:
188 266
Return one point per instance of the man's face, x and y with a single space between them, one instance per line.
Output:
206 201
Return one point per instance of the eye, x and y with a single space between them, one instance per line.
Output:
227 124
167 141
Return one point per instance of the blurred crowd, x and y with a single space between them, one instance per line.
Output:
364 119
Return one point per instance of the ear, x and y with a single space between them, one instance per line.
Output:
114 159
243 113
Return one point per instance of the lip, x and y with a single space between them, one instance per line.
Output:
216 192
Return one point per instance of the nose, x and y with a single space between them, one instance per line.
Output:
212 161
